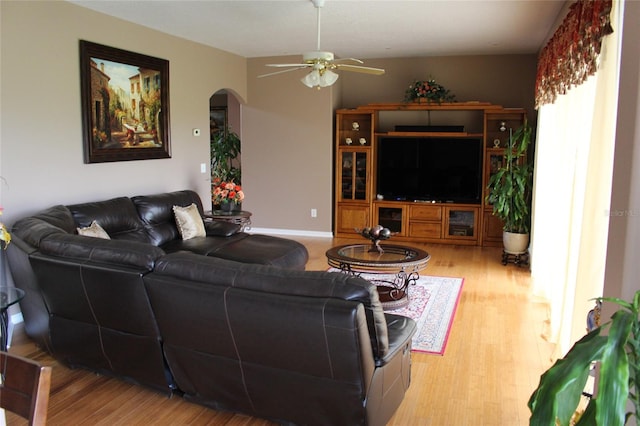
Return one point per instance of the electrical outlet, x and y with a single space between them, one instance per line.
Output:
314 213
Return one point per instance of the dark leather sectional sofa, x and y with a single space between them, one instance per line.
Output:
229 320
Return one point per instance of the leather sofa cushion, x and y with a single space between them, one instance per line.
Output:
187 266
117 216
156 213
202 245
246 248
217 228
265 250
54 220
117 253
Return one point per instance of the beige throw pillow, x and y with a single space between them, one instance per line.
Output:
189 222
94 230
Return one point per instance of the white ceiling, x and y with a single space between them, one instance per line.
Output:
349 28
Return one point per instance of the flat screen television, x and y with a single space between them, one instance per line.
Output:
447 170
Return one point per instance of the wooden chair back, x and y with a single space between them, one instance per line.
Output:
25 388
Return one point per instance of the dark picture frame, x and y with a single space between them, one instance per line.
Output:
125 104
217 120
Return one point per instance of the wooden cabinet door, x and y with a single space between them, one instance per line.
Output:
492 230
391 216
461 223
353 177
351 217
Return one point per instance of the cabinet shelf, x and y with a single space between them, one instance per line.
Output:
409 106
432 134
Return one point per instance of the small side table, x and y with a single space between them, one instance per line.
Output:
8 296
241 217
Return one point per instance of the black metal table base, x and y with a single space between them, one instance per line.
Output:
521 259
4 329
393 294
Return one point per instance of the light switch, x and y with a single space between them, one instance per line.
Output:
203 168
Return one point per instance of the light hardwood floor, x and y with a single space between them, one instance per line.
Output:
494 357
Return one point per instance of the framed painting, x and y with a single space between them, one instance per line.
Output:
217 120
125 104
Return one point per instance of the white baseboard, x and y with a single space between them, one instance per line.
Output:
290 232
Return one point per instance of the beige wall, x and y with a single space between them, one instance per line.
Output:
286 128
41 133
287 143
287 151
506 80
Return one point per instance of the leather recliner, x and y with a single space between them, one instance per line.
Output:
307 347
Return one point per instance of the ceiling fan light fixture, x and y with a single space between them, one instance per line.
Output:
327 78
319 78
312 79
322 63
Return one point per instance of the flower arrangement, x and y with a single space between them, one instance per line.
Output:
429 90
5 236
226 192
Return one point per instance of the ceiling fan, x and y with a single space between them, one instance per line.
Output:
322 63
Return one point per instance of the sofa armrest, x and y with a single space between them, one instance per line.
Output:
400 330
116 252
218 228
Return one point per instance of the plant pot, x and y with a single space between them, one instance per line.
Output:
515 243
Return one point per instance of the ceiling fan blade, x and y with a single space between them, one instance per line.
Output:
298 67
358 68
322 63
337 61
287 65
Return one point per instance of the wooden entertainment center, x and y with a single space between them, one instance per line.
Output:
358 133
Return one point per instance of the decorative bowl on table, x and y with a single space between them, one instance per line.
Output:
375 234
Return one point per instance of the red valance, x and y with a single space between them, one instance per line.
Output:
571 54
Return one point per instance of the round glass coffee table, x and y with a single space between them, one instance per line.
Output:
401 261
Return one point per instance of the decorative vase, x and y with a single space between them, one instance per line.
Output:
229 207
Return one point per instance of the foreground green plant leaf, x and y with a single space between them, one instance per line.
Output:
558 394
561 386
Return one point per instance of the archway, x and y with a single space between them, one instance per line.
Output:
224 118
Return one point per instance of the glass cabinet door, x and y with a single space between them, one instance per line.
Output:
347 175
461 223
391 218
354 168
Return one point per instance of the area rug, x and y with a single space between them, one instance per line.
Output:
432 304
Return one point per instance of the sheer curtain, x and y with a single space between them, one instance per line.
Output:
572 184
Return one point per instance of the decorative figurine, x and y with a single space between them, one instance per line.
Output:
375 234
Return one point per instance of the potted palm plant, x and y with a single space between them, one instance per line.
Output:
615 346
510 191
225 149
